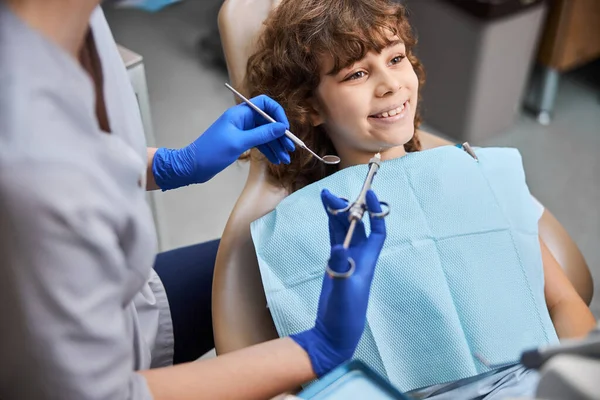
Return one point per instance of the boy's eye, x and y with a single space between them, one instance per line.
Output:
356 75
397 59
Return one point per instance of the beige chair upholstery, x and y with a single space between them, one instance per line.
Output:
240 314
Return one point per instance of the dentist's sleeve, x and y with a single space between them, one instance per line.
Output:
64 332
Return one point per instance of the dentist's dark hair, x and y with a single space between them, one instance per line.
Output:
286 66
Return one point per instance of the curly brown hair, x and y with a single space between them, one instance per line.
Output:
286 66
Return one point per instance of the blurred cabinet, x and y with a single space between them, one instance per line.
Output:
571 38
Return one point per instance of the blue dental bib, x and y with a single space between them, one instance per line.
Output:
460 273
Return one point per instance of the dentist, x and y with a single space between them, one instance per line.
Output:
84 314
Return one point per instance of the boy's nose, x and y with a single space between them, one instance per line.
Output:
388 83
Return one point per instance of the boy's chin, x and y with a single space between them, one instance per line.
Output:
399 138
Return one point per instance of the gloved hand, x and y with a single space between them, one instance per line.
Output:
239 129
342 311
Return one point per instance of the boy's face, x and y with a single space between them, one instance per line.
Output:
369 106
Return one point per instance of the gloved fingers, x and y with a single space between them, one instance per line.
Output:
279 151
342 292
266 150
287 144
373 205
241 116
257 119
261 135
332 201
325 291
272 108
338 261
359 236
338 224
370 252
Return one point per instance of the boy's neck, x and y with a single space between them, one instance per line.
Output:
355 157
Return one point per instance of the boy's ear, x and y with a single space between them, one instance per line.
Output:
316 117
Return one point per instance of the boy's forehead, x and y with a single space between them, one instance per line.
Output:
327 61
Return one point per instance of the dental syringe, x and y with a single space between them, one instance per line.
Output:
357 209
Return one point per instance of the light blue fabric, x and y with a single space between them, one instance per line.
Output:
147 5
460 273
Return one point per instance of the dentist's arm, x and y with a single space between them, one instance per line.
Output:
238 130
258 372
150 182
268 369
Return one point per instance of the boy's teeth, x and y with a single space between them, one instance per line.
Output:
391 113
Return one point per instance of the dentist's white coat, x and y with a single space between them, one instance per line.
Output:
81 306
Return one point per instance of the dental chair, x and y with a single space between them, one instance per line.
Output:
239 308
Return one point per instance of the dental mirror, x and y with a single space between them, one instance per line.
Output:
328 159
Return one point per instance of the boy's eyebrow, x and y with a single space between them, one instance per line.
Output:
393 43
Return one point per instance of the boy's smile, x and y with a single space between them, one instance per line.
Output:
392 114
369 105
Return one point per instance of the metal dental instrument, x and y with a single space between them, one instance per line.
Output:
489 365
357 209
588 347
469 150
331 160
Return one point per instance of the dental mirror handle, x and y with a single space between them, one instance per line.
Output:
331 160
297 140
289 134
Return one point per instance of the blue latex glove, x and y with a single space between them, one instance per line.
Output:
239 129
342 311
